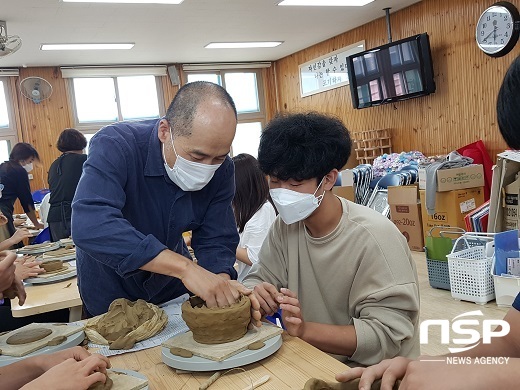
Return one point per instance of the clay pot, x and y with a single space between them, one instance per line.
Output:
216 325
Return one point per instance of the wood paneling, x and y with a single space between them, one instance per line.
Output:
461 111
42 123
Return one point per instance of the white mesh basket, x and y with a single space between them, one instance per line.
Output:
470 274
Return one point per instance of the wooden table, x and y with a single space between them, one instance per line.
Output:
44 298
289 368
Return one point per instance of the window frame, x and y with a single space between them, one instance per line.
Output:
9 133
247 117
93 127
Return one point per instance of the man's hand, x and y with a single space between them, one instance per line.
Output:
72 374
28 267
389 371
213 289
266 295
291 312
255 305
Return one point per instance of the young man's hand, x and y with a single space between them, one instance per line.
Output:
291 312
19 235
255 304
267 295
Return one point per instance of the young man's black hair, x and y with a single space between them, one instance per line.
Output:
303 146
508 106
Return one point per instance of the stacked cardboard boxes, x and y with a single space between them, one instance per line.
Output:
459 191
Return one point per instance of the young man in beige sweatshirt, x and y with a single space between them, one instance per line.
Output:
341 273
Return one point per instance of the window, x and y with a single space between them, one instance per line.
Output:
7 125
99 101
245 87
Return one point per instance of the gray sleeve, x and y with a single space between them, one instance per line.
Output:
272 260
386 319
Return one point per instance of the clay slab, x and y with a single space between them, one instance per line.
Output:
24 349
197 363
219 352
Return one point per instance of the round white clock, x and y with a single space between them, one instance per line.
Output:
498 29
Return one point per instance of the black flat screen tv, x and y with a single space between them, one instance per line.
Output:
396 71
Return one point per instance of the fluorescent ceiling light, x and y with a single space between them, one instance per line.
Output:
86 46
126 1
327 3
241 45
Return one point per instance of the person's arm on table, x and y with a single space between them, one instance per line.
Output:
411 371
18 236
72 368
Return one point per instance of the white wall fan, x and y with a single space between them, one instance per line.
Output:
8 43
35 89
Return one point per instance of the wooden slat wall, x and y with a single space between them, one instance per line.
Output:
42 123
460 112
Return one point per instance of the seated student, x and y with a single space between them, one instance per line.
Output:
254 214
73 368
341 273
418 374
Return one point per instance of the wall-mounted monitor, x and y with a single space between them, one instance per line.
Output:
396 71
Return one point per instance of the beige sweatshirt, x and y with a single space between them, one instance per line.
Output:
362 273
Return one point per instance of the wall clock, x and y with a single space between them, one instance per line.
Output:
498 29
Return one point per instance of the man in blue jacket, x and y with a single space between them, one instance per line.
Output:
144 184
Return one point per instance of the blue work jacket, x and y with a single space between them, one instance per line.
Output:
126 210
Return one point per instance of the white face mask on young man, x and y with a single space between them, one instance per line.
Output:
294 206
28 167
189 175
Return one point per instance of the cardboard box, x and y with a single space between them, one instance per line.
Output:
504 174
346 192
451 207
470 176
405 212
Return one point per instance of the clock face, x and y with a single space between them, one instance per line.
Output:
496 30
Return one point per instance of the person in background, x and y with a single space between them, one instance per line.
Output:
341 273
14 177
63 179
73 368
254 214
145 183
432 375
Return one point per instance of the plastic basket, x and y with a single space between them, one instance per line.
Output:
470 271
438 272
506 288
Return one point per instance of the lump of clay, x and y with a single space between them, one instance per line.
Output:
28 336
126 323
102 386
217 325
56 341
53 265
318 384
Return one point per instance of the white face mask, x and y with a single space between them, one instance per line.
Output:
28 167
189 175
294 206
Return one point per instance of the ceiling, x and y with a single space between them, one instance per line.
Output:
174 33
